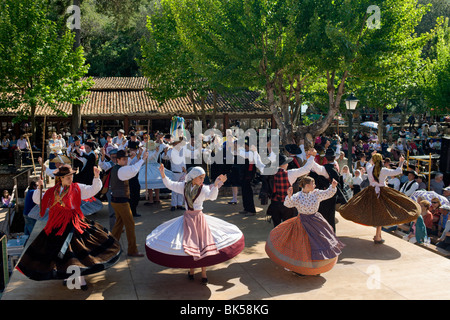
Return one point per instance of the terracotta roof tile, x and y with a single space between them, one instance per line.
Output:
127 96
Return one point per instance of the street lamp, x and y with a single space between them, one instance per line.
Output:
351 102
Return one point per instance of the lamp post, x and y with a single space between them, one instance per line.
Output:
351 102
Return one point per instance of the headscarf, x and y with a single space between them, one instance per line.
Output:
191 191
194 172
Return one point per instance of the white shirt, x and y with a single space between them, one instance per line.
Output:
384 173
177 159
127 172
87 191
207 193
294 174
308 203
411 190
395 182
22 144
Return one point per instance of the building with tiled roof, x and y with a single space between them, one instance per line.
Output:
123 102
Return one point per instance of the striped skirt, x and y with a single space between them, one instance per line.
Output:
304 244
194 240
49 256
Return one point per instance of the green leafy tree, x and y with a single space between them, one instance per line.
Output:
172 69
435 81
38 66
276 46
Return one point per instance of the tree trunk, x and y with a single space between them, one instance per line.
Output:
380 124
309 133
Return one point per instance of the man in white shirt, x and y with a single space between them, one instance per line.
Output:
120 140
22 145
410 186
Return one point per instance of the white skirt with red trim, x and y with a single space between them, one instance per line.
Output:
165 245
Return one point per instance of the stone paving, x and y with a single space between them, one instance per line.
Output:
396 270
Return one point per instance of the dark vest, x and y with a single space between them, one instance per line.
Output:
119 188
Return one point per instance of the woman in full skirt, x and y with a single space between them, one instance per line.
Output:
379 205
194 240
305 244
68 241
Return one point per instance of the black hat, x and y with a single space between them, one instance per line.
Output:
293 148
133 145
282 159
121 154
90 144
330 154
64 170
412 172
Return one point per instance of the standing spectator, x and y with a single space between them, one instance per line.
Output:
437 184
29 204
24 147
5 144
120 139
411 121
342 160
427 215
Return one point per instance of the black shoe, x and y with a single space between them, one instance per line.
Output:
190 276
84 287
205 281
181 208
232 202
136 215
298 274
173 208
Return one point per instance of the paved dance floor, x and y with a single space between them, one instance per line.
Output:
396 270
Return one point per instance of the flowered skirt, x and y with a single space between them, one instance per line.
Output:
49 256
389 207
194 240
304 244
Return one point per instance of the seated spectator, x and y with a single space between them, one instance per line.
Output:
6 199
394 182
421 181
446 193
437 184
444 210
434 209
411 186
